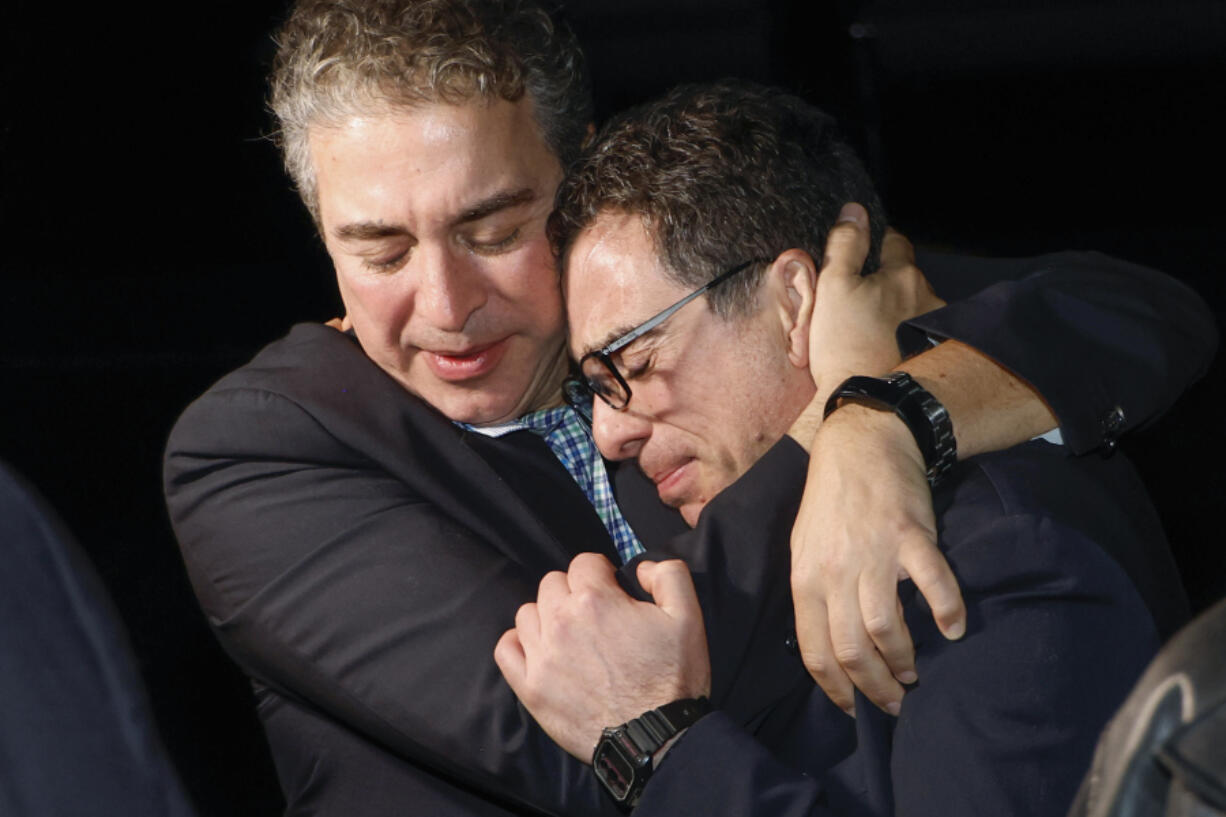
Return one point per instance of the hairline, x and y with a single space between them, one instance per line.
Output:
387 107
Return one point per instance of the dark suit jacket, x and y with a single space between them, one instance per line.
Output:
1069 590
359 556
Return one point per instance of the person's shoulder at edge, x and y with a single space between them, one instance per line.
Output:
1101 498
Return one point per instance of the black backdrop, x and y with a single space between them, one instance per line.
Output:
150 241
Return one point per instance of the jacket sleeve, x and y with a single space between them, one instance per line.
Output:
1109 345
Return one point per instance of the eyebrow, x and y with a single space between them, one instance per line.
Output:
374 230
368 231
499 201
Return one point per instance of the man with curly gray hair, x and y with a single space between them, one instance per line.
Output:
361 513
338 60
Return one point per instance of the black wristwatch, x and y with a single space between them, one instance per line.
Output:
622 760
922 413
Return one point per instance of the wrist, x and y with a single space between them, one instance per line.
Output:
925 417
874 427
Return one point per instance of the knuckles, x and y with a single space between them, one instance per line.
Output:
879 625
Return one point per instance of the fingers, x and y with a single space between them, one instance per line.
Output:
509 656
896 250
847 244
817 653
590 570
528 625
855 651
938 585
881 610
672 587
553 589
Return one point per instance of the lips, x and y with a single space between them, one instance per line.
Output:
673 481
465 364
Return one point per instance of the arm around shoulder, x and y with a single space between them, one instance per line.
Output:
331 580
1109 345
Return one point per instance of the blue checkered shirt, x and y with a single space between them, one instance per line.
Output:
570 439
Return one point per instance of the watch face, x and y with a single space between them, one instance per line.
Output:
621 766
614 769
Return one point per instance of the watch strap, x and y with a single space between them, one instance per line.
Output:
656 727
925 417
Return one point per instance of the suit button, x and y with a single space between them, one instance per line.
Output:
1113 423
792 643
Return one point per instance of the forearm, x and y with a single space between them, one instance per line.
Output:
989 407
1108 344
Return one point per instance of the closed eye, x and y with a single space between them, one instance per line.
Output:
492 247
637 366
386 263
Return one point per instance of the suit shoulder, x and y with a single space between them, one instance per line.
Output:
1085 507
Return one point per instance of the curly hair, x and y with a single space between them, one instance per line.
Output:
337 58
720 173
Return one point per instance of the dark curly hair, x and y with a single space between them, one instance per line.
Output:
720 173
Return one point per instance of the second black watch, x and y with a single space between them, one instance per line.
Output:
622 760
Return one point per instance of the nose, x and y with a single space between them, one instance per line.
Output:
619 434
450 289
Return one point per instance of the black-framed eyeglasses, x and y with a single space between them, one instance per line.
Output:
597 374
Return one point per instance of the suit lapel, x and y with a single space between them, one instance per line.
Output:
524 461
513 494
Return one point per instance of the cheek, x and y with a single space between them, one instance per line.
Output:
532 287
375 305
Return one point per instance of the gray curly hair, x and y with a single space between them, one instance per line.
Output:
338 58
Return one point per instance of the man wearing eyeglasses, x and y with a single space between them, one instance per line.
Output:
360 514
694 307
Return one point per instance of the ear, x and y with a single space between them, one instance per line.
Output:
793 277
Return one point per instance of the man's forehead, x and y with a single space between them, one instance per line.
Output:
614 280
462 161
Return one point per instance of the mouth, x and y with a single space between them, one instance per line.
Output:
672 482
465 364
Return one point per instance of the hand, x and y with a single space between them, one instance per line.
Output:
865 522
855 317
586 655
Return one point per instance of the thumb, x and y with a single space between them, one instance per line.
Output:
672 587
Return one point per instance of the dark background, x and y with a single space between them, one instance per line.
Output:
151 242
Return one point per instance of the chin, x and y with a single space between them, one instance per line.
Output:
472 407
691 511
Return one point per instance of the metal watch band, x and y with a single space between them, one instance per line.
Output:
925 417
